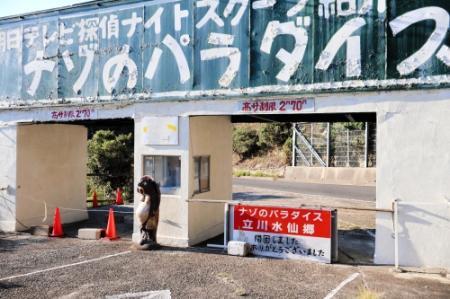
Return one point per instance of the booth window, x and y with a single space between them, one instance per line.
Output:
201 174
166 171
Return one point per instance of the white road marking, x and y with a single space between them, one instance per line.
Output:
64 266
341 285
164 294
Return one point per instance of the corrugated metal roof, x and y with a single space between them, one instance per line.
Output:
65 10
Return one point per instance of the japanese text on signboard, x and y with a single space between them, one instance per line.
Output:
284 232
276 106
242 46
290 221
73 114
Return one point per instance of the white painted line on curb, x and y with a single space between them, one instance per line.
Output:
341 285
164 294
65 266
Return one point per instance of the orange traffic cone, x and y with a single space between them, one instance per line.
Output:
94 200
57 227
111 228
119 199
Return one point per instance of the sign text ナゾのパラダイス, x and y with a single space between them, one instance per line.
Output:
207 48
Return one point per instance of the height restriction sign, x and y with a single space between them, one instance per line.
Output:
283 232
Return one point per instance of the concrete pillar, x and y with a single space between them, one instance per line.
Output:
210 136
43 167
51 172
8 185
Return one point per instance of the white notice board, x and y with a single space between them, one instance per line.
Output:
282 232
160 130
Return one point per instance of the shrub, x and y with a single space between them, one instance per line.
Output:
245 142
274 135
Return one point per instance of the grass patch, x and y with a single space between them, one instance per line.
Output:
256 173
365 293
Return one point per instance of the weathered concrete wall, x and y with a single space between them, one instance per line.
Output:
414 166
8 186
332 175
173 217
427 222
51 172
210 136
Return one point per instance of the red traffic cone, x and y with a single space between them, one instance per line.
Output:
111 228
119 199
94 200
57 226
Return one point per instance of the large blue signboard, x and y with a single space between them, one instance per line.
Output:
211 48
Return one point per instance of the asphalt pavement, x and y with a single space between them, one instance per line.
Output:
365 193
41 267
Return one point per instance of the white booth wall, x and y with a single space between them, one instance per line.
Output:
173 215
183 222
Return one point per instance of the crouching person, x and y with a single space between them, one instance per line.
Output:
147 211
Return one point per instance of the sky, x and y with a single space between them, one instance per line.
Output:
14 7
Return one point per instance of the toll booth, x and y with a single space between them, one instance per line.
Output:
191 157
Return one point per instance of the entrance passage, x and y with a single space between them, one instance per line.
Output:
66 165
312 161
110 174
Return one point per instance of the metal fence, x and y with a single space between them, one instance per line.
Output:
334 144
311 142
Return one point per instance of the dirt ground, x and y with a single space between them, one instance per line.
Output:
41 267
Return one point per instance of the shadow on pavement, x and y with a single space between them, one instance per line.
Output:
14 241
9 285
250 196
356 246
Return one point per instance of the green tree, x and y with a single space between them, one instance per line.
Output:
110 162
287 150
245 142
